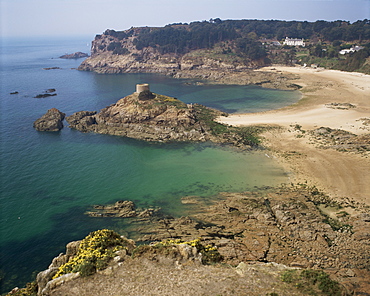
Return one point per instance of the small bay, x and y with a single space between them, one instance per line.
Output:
48 180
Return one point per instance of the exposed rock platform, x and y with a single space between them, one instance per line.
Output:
121 209
260 236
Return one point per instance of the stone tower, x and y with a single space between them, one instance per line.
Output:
142 87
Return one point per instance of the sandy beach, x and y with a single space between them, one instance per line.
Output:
335 99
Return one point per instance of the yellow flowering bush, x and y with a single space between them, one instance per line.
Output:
94 253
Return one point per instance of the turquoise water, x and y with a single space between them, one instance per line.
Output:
48 180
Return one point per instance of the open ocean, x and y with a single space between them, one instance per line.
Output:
48 180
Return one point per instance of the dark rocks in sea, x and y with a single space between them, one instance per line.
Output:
48 93
14 93
51 121
52 68
41 96
121 209
76 55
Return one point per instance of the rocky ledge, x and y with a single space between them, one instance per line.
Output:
121 209
258 237
189 68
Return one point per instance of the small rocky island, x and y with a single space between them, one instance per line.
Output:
76 55
144 115
51 121
152 117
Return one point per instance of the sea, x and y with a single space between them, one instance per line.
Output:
50 179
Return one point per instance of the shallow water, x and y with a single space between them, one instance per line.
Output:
48 180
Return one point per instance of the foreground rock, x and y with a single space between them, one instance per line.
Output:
297 227
51 121
262 237
76 55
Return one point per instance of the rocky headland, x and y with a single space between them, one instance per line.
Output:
111 53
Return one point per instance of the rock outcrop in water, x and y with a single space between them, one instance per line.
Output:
76 55
51 121
153 117
120 209
160 118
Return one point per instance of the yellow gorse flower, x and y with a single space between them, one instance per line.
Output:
94 252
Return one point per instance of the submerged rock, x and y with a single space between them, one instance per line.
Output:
121 209
52 68
51 121
40 96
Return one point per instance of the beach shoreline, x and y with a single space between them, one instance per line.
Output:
330 98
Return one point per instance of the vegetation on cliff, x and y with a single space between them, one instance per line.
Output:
94 253
246 43
312 282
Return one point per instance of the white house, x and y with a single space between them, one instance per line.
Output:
294 42
352 49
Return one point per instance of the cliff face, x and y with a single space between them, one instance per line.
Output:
159 119
116 52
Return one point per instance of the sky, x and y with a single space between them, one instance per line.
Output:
90 17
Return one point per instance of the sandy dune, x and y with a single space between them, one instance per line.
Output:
340 174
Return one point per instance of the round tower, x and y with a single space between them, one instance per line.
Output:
141 87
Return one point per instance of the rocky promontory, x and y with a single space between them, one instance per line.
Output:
159 119
119 52
146 116
153 117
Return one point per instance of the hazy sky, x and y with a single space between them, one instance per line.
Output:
90 17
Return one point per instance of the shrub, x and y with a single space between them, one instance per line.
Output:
29 290
146 95
94 253
312 282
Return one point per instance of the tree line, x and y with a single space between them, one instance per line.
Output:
182 38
